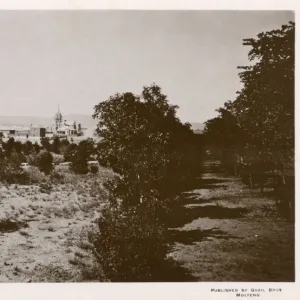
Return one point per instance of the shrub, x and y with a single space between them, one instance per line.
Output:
57 177
35 175
94 169
79 163
57 158
44 162
10 170
130 246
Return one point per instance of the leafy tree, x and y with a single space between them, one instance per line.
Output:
8 146
144 142
265 105
27 147
79 163
86 148
70 152
261 119
94 169
64 146
10 170
44 161
56 145
45 142
36 147
18 146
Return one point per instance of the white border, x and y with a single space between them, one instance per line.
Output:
161 290
151 4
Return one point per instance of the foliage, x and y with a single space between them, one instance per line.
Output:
80 154
44 161
154 154
45 142
27 147
129 246
56 145
144 142
36 147
10 170
94 169
261 118
8 146
70 152
64 146
79 163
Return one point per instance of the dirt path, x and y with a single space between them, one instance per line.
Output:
227 232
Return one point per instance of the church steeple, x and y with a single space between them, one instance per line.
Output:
58 119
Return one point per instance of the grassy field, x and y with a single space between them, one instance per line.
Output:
44 228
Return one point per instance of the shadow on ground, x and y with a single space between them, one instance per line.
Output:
188 237
184 215
205 183
11 226
171 271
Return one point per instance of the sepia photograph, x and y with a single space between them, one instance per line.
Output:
147 146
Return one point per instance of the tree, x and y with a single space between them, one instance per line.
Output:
261 118
154 154
36 147
64 146
44 162
27 147
10 170
45 142
56 145
8 146
265 105
79 163
70 152
144 141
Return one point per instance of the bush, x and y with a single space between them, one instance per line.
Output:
79 163
57 158
44 162
10 170
35 175
57 177
94 169
130 247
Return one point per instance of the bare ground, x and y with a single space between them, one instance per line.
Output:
227 232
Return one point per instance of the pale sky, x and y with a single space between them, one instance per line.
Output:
77 59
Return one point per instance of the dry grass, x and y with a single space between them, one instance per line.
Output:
57 216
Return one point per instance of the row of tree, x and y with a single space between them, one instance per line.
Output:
260 121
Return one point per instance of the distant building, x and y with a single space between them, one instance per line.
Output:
22 131
36 131
6 131
64 128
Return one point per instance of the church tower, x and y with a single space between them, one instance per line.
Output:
58 119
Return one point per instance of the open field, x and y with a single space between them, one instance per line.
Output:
44 229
